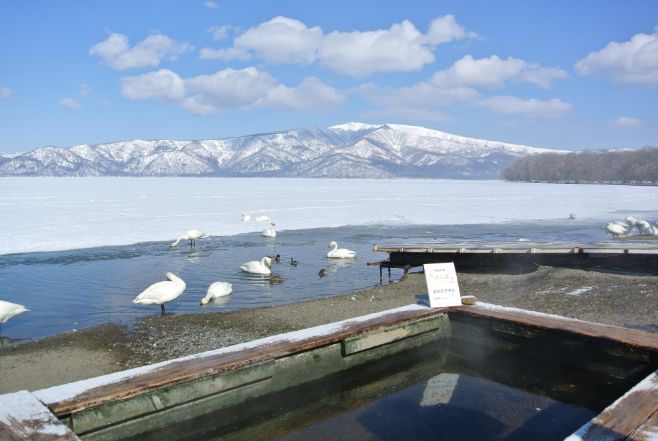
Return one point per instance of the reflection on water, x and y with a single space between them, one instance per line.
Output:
80 288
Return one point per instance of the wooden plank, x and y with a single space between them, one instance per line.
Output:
630 417
518 250
185 370
23 417
363 342
631 337
648 431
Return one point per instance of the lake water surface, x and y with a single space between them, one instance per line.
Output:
67 290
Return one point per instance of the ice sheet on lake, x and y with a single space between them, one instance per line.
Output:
46 214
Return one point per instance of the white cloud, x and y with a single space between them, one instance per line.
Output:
445 29
311 95
359 54
230 89
461 83
210 5
116 52
280 40
531 108
631 62
5 93
220 32
494 72
163 85
401 48
197 105
227 54
69 104
626 122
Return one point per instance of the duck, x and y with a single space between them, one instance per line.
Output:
256 267
293 262
269 231
275 258
162 292
216 290
339 253
9 310
323 272
191 235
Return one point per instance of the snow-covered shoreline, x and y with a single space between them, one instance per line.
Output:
49 214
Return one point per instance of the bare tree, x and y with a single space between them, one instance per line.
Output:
605 167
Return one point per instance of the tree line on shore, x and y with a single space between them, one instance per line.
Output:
588 167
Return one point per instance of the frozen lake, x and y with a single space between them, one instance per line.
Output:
47 214
113 236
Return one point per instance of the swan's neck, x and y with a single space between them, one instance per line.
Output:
333 246
177 241
174 278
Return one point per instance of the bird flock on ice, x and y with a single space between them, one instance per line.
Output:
626 228
161 293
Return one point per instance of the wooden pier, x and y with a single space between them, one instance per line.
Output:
517 260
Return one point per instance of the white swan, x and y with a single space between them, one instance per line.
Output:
644 227
256 267
246 217
269 231
262 218
217 289
339 253
9 310
162 292
191 235
616 230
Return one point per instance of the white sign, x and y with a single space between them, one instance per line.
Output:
442 286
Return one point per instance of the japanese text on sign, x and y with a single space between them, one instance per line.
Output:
442 286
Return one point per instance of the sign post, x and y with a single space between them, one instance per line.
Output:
442 286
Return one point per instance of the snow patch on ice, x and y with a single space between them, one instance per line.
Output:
579 291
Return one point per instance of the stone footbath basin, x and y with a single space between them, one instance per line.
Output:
409 373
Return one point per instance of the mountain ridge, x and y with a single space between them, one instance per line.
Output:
350 150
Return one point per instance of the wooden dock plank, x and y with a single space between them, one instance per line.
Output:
186 370
631 417
24 417
518 250
631 337
648 431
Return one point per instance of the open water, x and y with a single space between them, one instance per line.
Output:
70 290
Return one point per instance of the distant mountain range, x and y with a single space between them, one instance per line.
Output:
352 150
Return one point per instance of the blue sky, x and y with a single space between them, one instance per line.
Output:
559 74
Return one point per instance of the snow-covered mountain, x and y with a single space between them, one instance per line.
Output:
352 150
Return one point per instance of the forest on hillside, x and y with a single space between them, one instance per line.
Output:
588 167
